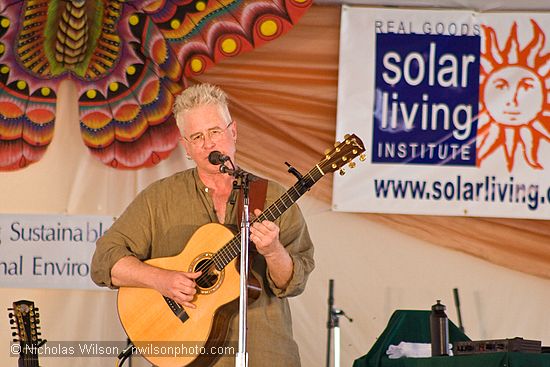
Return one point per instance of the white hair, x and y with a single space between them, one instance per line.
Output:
200 95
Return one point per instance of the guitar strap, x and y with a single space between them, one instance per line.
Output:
257 194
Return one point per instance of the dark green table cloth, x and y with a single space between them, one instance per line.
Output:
501 359
414 327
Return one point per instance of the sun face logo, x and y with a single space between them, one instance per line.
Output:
515 110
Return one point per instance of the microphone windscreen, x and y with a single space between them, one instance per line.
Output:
215 157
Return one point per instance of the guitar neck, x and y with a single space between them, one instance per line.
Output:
29 357
342 154
233 248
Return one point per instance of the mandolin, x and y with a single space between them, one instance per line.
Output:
148 317
24 315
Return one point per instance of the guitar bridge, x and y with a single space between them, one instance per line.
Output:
177 309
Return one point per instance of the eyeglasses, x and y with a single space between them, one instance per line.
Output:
215 134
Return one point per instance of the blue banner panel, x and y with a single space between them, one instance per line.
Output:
426 99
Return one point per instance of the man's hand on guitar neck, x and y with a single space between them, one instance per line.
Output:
177 285
265 236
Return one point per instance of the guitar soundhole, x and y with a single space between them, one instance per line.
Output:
211 278
208 278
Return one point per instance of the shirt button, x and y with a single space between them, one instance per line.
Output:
206 189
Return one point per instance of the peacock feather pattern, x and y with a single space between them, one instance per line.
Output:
128 59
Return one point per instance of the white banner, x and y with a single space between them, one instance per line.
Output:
453 108
48 251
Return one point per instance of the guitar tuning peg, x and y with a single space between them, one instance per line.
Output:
347 136
14 334
10 308
336 144
327 151
351 165
342 171
14 327
12 321
362 157
10 315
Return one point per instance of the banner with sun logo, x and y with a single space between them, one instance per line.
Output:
454 109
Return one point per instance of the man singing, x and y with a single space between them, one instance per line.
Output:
164 216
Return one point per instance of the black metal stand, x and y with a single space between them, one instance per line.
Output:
457 304
333 326
126 354
330 322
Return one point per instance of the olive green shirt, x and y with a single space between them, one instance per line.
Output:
162 219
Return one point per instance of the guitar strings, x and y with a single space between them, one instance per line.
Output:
206 266
314 174
223 252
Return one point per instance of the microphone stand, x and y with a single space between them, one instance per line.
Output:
242 355
457 304
330 322
333 326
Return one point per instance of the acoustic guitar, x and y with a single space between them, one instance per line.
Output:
25 317
152 320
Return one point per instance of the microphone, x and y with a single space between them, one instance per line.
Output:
215 157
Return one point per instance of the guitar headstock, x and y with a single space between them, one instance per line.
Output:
24 315
343 153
